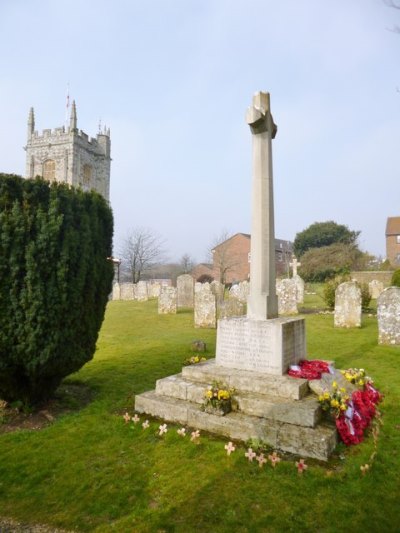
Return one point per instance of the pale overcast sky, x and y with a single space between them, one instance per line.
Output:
173 79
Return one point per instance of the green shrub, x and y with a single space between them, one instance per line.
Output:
396 278
54 283
365 295
331 286
330 289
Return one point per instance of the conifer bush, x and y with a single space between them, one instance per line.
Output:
55 279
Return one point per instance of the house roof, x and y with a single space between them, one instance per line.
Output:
393 226
279 243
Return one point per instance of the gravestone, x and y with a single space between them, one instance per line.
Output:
167 300
116 291
286 289
142 294
348 305
185 286
127 291
240 291
375 288
389 316
218 290
299 289
294 264
154 290
231 307
204 306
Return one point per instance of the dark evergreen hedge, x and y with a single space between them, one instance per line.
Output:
54 283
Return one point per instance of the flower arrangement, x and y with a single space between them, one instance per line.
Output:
356 376
335 402
194 360
218 399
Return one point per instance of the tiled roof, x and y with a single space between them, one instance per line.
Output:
393 226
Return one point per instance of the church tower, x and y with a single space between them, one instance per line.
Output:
68 155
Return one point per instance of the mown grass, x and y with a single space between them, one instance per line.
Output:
90 471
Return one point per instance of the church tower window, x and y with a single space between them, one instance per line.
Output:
49 170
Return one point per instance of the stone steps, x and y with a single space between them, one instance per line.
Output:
318 442
247 380
305 413
278 410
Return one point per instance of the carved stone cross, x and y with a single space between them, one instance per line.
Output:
262 301
294 264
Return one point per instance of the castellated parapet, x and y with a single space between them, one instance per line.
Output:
68 155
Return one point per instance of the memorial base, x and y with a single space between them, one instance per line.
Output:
268 346
277 410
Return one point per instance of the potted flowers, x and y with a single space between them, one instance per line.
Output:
217 399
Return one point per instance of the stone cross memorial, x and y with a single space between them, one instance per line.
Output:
261 342
253 352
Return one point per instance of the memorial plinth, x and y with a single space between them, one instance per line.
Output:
268 346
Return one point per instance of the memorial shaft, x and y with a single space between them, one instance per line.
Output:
262 301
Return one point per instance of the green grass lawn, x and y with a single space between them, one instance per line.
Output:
90 471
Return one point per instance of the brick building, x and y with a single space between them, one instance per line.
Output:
393 240
231 259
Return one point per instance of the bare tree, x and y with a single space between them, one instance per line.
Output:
224 257
186 263
142 250
394 5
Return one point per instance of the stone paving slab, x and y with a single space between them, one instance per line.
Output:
317 443
246 380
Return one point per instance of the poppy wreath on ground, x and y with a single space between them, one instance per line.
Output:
352 422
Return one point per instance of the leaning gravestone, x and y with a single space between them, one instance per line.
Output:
348 305
127 291
375 288
389 316
286 290
204 306
167 301
185 286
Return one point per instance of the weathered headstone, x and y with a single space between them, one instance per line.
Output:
204 306
154 290
348 305
240 291
167 300
286 289
116 291
218 290
389 316
185 286
142 294
127 291
299 288
375 288
231 307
